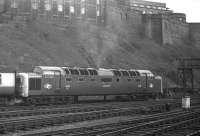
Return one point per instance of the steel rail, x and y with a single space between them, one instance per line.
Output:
45 120
105 128
150 124
172 127
196 133
82 108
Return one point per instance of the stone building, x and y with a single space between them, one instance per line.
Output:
154 19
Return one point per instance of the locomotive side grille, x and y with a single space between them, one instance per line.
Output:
35 84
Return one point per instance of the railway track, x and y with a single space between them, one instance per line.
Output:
63 115
196 133
192 130
27 122
32 111
136 126
46 120
33 107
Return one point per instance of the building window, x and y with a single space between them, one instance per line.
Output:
34 84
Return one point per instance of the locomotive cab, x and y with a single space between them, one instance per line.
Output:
22 85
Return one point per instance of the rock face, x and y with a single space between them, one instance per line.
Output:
83 44
86 44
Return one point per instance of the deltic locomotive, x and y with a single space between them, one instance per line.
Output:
47 84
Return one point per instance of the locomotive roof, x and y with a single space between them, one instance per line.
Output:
41 69
34 75
105 72
145 72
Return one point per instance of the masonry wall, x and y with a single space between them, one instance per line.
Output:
195 33
174 30
168 28
123 20
153 26
123 16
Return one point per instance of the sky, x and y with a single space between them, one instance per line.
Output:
190 7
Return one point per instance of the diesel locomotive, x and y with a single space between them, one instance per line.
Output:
47 84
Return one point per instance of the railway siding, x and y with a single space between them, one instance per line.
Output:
45 120
27 122
115 126
52 116
142 109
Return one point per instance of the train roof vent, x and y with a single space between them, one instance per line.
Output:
92 71
132 73
41 69
74 71
83 71
146 73
105 72
116 72
124 72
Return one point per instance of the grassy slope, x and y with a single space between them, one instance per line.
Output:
39 43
